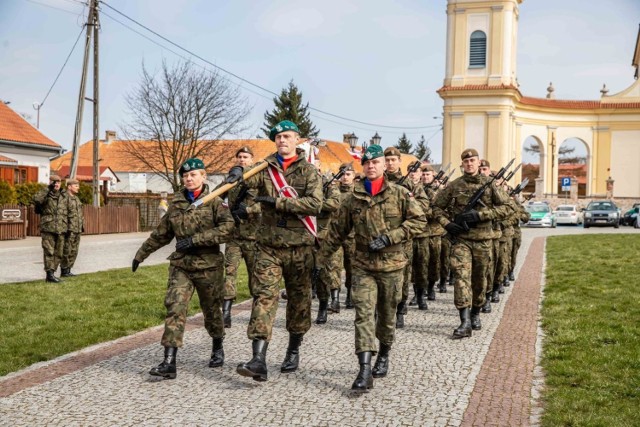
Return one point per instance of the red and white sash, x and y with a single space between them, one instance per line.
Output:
284 189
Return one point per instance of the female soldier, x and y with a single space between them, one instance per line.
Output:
196 263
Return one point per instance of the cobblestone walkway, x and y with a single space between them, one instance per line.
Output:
433 379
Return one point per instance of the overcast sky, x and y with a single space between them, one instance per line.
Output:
374 61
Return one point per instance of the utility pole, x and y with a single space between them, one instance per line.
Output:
92 30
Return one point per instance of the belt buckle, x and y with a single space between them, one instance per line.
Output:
282 223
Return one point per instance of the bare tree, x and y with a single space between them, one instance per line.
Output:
564 154
181 113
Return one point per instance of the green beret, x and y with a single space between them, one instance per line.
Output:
372 152
191 164
283 126
469 152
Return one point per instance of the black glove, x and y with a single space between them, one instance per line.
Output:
52 186
379 243
315 274
454 229
240 212
266 200
134 265
235 174
184 243
471 217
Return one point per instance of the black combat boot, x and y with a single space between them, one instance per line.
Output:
431 293
464 330
322 313
381 367
364 380
414 299
66 272
217 353
167 369
512 277
505 282
442 287
400 315
256 368
475 319
500 287
495 296
51 278
226 312
486 308
335 301
347 302
422 304
291 359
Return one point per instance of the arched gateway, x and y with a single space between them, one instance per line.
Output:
484 109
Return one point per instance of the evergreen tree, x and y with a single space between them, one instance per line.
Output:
421 149
288 106
404 145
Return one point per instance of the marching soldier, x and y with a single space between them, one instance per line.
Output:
348 245
51 204
383 217
435 232
420 249
522 216
290 193
75 227
492 285
197 263
471 249
243 244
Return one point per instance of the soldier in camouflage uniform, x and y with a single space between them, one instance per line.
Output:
51 204
503 263
435 232
383 217
197 263
523 216
485 169
327 276
75 227
284 249
243 244
471 249
394 174
348 245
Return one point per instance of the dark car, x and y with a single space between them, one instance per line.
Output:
602 213
630 217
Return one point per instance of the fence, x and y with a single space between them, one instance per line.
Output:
145 203
13 222
103 220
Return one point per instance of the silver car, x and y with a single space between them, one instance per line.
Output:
568 214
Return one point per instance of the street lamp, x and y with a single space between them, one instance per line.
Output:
376 139
353 141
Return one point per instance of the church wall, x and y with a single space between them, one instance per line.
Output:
475 132
625 163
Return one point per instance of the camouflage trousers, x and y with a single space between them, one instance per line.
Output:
420 262
504 260
493 268
434 258
70 252
375 292
272 264
470 260
515 247
407 275
181 284
445 257
53 248
348 249
329 275
237 250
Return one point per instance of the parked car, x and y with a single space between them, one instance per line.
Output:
568 214
603 213
541 215
630 217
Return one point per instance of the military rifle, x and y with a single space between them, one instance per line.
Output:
439 175
477 196
513 172
335 177
519 187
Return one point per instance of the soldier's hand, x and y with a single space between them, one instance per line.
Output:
134 265
454 229
379 243
266 200
52 186
235 175
184 243
471 217
240 212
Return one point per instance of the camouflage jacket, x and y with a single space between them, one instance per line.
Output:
280 226
421 197
508 223
522 215
54 216
76 217
345 191
451 201
208 225
246 229
393 212
433 227
330 204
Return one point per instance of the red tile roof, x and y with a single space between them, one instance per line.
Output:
5 159
15 128
83 173
476 87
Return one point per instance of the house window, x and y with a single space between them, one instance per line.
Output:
478 50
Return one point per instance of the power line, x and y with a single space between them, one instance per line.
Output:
51 6
251 83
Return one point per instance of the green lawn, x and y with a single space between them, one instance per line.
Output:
41 321
591 318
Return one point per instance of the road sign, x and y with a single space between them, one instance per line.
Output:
566 183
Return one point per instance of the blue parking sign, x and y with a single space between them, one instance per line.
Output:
566 183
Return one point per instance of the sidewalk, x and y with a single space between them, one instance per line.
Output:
433 379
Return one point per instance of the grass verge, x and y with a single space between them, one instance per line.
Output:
591 318
41 321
